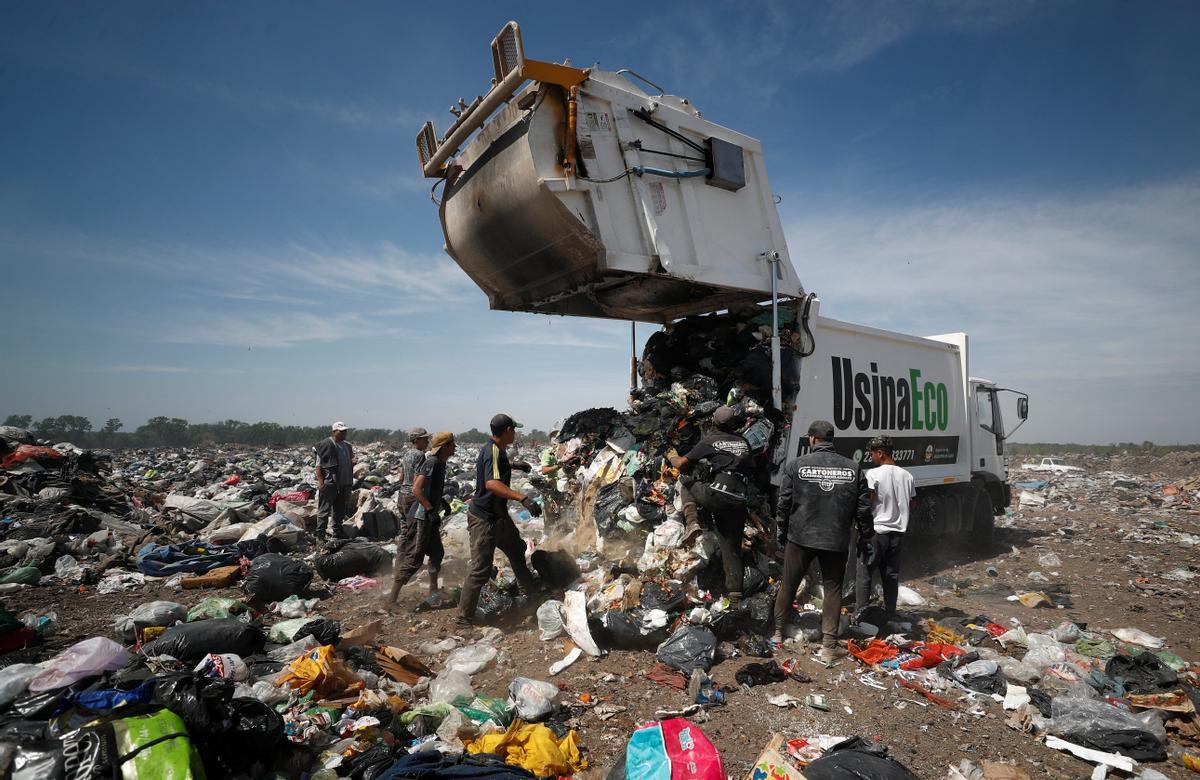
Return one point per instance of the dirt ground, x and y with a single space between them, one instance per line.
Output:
1114 555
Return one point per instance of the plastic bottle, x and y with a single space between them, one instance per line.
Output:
1189 757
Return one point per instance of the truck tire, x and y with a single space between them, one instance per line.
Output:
983 526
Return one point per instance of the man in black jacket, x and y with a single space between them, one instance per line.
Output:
821 496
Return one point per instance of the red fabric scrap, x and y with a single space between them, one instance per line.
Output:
873 652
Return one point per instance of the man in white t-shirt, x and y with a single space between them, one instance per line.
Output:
893 497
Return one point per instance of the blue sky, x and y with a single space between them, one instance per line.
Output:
214 210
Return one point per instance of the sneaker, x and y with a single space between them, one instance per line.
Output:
828 655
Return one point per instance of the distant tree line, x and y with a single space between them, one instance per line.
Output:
178 432
1118 448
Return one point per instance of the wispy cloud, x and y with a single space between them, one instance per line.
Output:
285 329
1052 289
144 368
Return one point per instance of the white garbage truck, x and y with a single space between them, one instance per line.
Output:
585 192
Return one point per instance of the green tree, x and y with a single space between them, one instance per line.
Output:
19 420
112 425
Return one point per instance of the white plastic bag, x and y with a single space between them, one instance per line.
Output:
532 699
575 619
449 685
14 681
80 660
1044 651
907 597
226 666
471 659
152 613
550 620
1136 636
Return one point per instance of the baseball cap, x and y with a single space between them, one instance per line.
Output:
340 426
418 433
821 429
503 422
440 439
724 415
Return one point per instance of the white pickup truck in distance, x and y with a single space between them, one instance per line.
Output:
1051 464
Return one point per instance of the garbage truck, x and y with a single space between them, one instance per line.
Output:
586 192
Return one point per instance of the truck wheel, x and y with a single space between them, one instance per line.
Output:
984 525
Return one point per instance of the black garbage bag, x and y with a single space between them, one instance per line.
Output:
609 501
369 764
759 673
690 647
495 602
753 580
1134 743
193 641
44 705
324 630
656 595
857 759
752 616
555 568
1143 673
233 735
274 577
617 629
348 558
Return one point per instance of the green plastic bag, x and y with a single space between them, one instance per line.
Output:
154 746
22 575
484 708
215 608
284 632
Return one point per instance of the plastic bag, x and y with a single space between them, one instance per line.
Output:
321 671
227 666
83 659
294 607
550 620
1066 632
532 699
192 641
450 685
14 681
294 650
1044 651
471 659
274 577
286 631
1097 724
690 647
907 597
1018 671
149 745
655 749
215 608
575 620
356 556
152 613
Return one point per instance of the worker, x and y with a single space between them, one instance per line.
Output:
335 480
554 472
488 523
718 484
893 497
821 496
410 461
422 537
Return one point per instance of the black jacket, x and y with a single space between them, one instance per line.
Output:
821 496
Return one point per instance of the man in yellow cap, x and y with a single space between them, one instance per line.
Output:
422 535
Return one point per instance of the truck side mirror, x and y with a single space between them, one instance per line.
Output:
1023 408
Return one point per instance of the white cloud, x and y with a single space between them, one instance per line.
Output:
1056 292
282 329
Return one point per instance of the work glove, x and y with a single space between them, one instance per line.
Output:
521 465
532 506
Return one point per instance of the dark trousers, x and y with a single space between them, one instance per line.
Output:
487 536
728 519
796 560
421 539
882 554
333 504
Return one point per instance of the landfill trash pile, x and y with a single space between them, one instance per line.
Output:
181 594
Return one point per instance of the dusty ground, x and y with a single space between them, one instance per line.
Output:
1114 554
